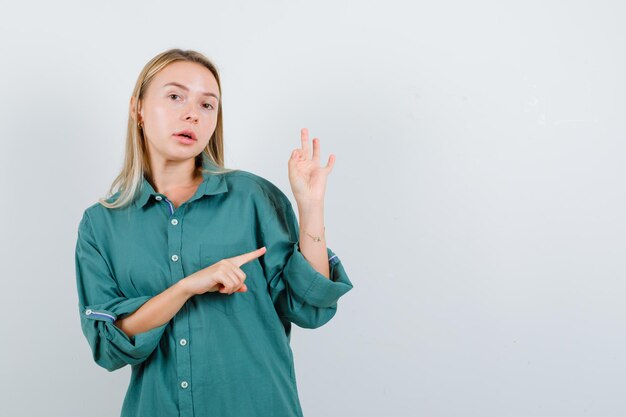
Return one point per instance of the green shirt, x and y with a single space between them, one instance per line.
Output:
220 355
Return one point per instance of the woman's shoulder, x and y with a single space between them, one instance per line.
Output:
249 182
97 210
89 216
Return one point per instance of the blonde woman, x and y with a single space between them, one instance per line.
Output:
193 273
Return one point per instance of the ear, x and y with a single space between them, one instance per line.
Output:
133 113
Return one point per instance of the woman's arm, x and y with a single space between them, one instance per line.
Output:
299 292
308 183
312 223
224 276
155 312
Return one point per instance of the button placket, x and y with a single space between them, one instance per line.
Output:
181 328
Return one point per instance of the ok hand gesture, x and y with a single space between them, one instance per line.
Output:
306 176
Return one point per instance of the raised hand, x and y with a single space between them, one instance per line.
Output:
306 176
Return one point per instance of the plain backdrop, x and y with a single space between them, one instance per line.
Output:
477 201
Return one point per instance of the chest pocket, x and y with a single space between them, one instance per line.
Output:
237 302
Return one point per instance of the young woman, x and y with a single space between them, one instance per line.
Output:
193 273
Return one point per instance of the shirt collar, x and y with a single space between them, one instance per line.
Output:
212 184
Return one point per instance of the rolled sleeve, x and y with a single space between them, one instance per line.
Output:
299 292
101 303
315 288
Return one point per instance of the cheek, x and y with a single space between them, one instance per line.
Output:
210 121
208 126
159 120
160 114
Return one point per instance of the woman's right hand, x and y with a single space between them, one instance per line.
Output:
224 276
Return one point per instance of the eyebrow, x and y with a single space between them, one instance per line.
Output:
182 87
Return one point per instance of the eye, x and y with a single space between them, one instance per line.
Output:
208 105
173 95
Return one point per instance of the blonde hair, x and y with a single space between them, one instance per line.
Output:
136 161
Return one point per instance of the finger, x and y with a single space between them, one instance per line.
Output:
236 279
231 282
247 257
226 278
304 136
240 274
331 163
316 150
296 155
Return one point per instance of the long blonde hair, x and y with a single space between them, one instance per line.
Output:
136 161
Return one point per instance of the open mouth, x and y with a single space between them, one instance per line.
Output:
186 134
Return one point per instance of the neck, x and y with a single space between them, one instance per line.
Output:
169 175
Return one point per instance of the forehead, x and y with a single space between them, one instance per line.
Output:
196 77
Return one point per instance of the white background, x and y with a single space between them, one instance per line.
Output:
477 201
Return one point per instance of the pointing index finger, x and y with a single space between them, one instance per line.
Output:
247 257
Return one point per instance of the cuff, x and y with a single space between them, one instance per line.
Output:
129 349
316 289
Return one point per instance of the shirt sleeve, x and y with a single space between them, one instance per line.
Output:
300 294
101 302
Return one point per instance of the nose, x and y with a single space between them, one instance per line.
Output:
190 114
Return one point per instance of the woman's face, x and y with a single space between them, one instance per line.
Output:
182 99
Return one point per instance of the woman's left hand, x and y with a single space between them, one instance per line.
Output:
306 176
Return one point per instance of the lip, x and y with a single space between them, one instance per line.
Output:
186 132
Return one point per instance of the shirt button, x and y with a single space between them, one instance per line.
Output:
183 342
174 258
184 384
174 222
158 198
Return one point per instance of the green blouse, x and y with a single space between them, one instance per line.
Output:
220 355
